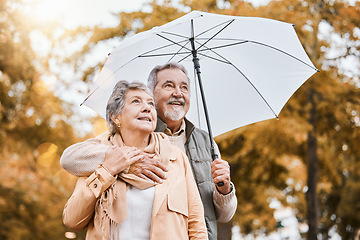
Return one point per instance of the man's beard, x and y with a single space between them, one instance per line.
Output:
175 115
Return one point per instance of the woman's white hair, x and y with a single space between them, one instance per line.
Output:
116 101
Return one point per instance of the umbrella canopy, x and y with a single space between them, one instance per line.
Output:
250 66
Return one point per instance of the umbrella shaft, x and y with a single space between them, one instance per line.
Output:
198 73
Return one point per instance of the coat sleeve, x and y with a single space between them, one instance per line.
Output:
80 208
196 221
81 159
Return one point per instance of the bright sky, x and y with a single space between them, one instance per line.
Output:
84 12
90 12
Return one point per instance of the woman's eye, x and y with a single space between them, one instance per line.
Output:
152 104
135 101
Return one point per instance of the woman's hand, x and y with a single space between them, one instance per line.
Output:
117 159
149 167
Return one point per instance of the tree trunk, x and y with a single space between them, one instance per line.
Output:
311 196
224 231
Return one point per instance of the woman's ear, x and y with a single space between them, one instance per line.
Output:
116 119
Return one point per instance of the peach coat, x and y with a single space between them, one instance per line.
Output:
99 201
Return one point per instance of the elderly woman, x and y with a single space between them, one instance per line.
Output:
114 204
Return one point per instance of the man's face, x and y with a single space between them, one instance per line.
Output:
172 95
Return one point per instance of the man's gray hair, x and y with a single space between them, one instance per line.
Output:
117 101
152 79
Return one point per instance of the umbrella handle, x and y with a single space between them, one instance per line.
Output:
215 156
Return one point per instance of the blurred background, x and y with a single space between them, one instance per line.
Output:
296 178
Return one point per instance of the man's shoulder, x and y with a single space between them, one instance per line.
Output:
197 132
194 131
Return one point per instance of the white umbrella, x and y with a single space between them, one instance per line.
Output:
250 66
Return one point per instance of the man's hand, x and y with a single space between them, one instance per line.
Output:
117 159
149 167
220 171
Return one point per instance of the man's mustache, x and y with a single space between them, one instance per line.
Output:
173 100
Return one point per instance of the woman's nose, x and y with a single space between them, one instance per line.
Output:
146 107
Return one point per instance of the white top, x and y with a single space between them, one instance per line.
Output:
138 224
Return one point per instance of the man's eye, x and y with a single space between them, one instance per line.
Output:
185 88
167 86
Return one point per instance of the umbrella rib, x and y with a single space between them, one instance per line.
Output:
212 49
182 47
277 49
263 98
176 43
106 80
223 46
213 58
163 54
255 42
209 39
165 46
228 62
214 34
197 99
226 22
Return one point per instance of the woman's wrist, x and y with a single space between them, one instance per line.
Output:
108 169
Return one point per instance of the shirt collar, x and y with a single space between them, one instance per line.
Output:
177 133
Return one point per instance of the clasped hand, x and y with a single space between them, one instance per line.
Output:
132 160
148 166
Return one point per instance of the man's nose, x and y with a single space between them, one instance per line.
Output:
177 92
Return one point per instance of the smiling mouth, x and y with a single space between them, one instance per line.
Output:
176 103
147 119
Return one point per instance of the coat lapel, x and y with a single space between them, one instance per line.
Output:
161 190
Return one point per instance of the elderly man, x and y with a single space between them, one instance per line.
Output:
170 85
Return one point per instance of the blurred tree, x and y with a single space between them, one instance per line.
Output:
33 133
312 149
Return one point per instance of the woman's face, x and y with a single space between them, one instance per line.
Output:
138 113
